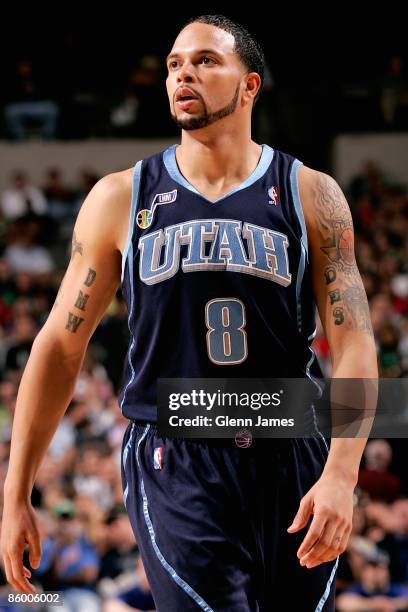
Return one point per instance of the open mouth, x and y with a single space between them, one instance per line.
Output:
184 94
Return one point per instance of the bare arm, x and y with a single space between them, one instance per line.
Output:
47 384
342 304
341 300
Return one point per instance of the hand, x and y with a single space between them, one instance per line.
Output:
330 500
384 604
19 528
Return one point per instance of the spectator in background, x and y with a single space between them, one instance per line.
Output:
375 591
22 198
394 92
58 196
375 478
20 343
74 563
139 597
23 254
28 104
142 111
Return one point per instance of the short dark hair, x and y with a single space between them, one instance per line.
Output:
246 46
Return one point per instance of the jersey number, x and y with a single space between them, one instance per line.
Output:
226 336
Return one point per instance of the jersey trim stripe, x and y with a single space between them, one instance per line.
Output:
326 593
125 454
129 257
182 583
133 206
298 205
303 241
170 161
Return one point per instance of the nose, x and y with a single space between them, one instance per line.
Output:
186 73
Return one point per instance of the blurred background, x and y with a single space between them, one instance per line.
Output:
84 96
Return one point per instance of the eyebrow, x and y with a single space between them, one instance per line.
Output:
198 52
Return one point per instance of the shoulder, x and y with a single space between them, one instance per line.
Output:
106 208
114 185
321 195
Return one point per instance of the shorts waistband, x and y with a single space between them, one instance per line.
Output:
140 428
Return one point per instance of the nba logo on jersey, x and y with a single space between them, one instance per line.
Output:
274 195
158 458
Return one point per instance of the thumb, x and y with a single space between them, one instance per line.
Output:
35 552
300 520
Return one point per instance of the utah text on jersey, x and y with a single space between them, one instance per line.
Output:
215 244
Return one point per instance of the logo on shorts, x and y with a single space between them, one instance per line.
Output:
243 438
273 193
158 458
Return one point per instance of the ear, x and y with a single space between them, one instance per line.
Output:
251 87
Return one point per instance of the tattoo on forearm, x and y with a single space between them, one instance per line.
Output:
76 246
81 300
329 275
73 322
338 314
90 277
335 227
334 296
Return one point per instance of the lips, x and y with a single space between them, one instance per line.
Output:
184 94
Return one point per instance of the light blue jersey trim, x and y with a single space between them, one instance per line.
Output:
169 159
125 454
319 388
133 206
326 593
296 200
130 270
182 583
303 240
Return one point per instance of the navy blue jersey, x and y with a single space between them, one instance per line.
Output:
215 289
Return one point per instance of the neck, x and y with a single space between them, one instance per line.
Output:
218 160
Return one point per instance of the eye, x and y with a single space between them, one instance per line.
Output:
205 58
172 64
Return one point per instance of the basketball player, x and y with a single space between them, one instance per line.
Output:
216 224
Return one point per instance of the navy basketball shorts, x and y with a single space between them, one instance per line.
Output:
210 520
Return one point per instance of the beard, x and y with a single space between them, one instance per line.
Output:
206 118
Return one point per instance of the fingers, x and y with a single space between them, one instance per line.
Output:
322 548
331 543
315 531
302 516
16 572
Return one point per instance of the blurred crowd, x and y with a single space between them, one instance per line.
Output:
89 550
71 101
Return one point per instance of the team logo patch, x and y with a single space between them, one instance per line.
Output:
158 458
144 218
273 193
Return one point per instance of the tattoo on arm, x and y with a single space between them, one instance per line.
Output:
337 243
76 246
90 277
74 321
81 300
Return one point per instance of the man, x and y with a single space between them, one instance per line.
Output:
226 245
